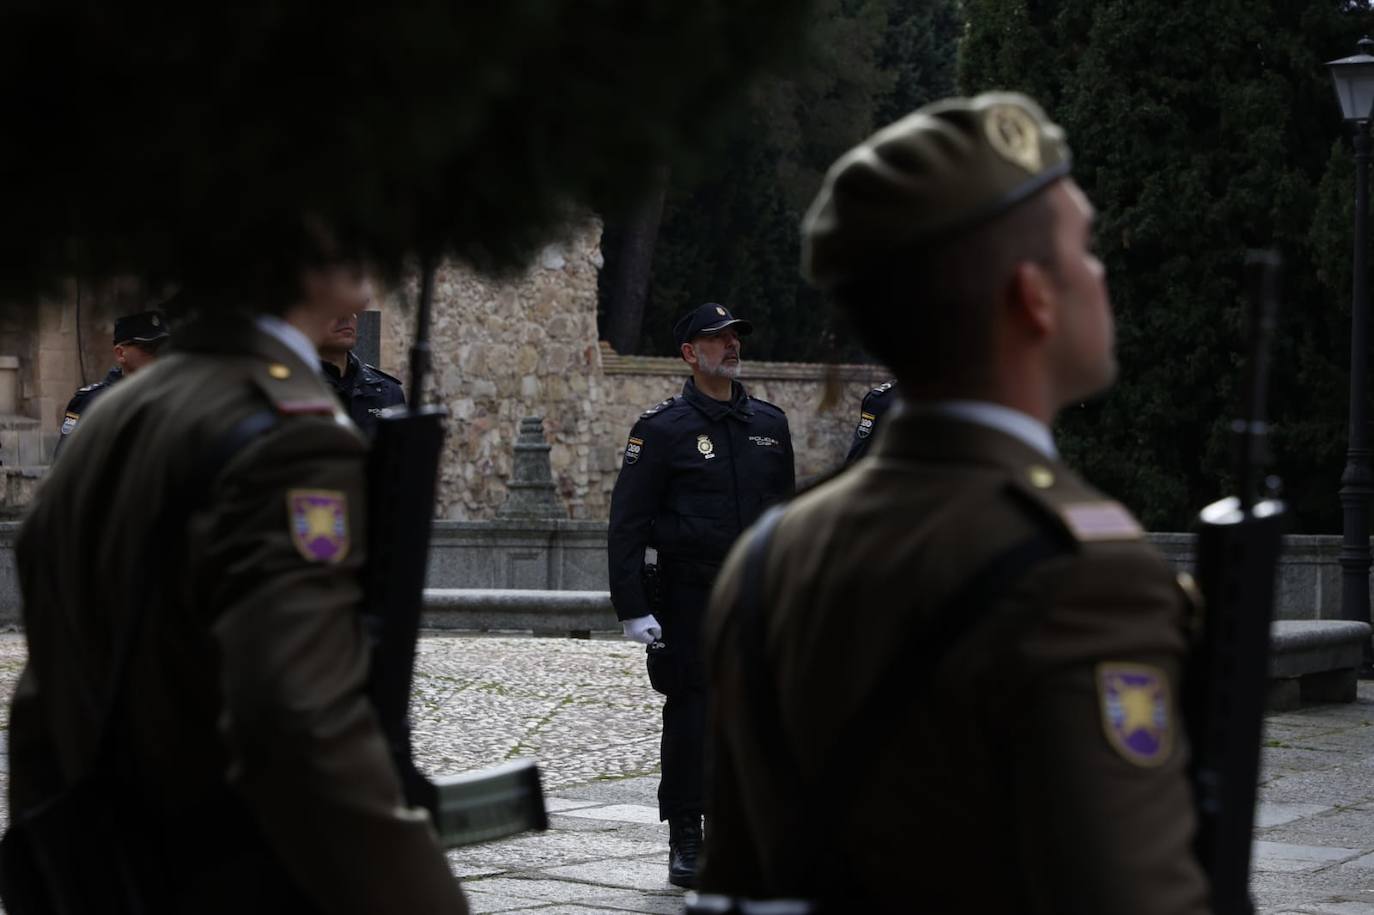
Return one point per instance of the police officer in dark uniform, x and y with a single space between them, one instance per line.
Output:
875 403
364 389
137 338
698 469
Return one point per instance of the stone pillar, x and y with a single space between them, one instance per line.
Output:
531 490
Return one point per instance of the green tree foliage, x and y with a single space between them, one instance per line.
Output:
729 231
194 141
1200 128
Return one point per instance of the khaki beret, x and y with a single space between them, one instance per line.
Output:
939 171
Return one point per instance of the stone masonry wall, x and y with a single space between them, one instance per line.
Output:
45 337
527 346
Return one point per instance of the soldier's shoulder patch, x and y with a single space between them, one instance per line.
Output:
657 408
318 519
69 422
633 449
1137 711
866 421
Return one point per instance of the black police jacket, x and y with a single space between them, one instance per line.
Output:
696 473
81 402
876 402
364 390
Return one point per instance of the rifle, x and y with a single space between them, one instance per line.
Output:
1238 543
402 469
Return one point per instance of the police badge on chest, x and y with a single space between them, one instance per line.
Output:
704 445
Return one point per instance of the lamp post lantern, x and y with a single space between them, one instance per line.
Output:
1353 78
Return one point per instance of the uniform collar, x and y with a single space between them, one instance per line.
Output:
353 372
291 337
737 406
921 434
1013 422
235 333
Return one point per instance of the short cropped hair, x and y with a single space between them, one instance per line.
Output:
927 312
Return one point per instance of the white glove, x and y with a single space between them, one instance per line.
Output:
644 629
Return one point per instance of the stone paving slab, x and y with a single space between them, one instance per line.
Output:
585 710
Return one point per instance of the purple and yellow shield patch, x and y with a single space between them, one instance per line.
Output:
319 523
1136 710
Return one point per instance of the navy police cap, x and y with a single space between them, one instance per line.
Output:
144 327
708 319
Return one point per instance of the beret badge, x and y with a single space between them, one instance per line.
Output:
1015 136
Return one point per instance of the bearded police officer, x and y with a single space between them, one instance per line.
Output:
137 339
875 405
957 656
214 507
698 469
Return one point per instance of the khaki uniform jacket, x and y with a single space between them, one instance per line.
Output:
246 739
1017 776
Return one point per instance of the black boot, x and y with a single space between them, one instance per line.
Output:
684 844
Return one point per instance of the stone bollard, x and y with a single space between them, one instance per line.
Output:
531 490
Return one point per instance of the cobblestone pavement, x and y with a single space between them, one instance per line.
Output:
584 710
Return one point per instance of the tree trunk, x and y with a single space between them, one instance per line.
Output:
633 266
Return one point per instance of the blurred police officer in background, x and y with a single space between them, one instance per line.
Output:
698 469
364 389
214 508
137 339
874 407
957 656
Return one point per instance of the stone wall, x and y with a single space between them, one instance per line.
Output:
527 346
62 342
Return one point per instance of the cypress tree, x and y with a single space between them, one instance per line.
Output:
1200 129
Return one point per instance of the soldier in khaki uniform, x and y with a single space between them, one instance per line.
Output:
949 680
214 507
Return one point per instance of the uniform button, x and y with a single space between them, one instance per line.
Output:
1041 477
279 371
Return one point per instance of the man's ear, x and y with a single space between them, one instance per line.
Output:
1031 299
119 354
688 353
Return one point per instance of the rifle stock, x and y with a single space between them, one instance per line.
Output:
1238 546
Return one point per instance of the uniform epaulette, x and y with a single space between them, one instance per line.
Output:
657 408
1082 513
878 395
387 375
763 403
292 392
93 386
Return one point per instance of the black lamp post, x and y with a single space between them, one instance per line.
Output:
1354 81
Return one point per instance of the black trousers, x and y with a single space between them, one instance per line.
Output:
686 588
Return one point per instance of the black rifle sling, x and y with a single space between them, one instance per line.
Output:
922 648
